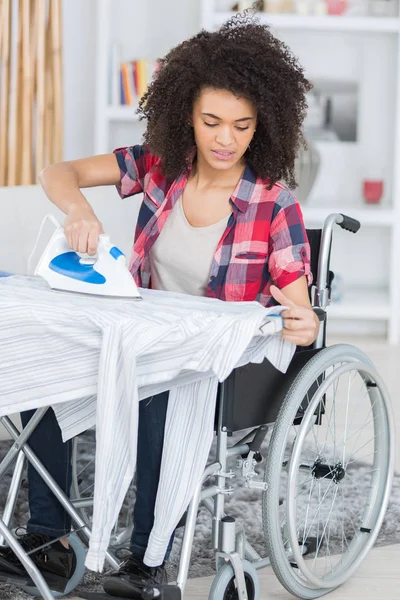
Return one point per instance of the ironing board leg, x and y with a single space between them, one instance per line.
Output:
13 492
19 438
27 563
44 474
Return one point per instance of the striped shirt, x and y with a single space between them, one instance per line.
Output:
92 359
264 242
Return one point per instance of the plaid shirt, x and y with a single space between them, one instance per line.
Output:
264 242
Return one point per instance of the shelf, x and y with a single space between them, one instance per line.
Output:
122 113
368 216
362 304
325 23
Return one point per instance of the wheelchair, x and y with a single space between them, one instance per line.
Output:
311 430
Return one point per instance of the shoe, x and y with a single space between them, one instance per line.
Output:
55 562
133 576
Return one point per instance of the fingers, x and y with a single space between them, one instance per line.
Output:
92 242
291 314
83 241
68 237
301 331
280 297
73 235
298 340
297 314
299 337
294 324
83 236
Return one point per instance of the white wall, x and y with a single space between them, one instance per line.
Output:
79 56
23 208
147 29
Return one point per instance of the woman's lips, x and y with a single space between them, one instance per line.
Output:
222 155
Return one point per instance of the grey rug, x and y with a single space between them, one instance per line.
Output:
244 505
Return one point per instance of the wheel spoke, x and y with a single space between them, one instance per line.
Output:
343 441
326 524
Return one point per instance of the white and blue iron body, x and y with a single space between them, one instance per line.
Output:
105 274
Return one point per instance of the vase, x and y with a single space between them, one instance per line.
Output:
306 170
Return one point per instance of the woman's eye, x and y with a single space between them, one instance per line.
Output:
216 124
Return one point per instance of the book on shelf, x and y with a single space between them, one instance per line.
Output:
128 80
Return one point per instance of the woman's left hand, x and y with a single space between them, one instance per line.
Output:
301 324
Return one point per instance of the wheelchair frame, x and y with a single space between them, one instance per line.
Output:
229 544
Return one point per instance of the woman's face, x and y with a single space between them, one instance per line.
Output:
223 127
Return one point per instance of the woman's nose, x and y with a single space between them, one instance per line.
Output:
224 136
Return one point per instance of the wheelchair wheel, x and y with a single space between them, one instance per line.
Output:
224 584
80 555
333 468
83 464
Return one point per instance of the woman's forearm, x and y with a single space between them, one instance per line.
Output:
60 183
63 181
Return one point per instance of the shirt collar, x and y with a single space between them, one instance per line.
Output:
244 189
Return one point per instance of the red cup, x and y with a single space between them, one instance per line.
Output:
372 190
336 7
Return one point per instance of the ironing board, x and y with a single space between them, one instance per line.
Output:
93 359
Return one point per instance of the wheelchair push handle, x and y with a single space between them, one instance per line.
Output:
348 223
321 294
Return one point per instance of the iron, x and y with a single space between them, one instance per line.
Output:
105 274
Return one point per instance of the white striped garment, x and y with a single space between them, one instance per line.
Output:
93 358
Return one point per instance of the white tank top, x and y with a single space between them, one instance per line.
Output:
181 257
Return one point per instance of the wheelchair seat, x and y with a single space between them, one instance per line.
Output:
253 394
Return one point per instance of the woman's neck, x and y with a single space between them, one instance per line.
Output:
204 175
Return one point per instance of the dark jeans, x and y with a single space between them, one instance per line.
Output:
46 513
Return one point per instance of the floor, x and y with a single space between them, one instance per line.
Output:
378 578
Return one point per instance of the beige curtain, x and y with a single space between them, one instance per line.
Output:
31 112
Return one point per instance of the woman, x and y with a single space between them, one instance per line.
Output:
224 125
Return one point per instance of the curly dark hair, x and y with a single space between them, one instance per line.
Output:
244 58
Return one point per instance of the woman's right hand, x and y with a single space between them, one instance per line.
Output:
82 229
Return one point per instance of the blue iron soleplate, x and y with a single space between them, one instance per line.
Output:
69 264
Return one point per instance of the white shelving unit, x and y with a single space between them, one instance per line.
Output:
141 30
124 114
370 217
309 23
107 114
368 302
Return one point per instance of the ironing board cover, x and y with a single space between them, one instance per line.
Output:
92 359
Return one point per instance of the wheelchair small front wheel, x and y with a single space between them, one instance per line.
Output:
77 576
224 585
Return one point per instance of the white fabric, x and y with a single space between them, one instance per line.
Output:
65 350
189 249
